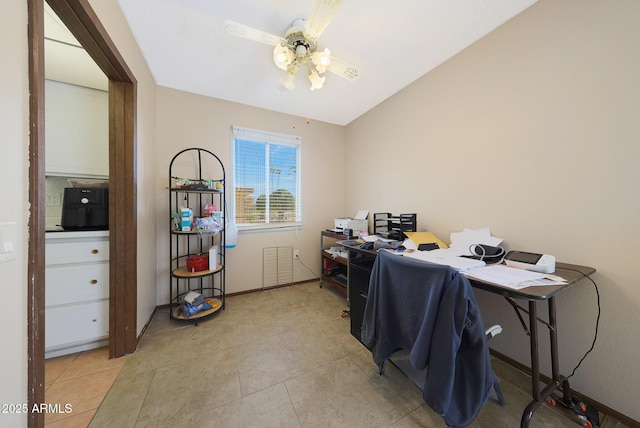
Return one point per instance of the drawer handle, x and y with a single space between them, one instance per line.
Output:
94 320
93 281
95 251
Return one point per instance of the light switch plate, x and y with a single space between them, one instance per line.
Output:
8 240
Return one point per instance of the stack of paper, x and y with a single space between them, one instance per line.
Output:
446 257
512 277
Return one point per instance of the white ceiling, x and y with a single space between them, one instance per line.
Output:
393 43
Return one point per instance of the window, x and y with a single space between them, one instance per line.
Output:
266 179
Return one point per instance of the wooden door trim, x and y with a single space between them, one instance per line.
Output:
36 222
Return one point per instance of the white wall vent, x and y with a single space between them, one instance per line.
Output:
277 266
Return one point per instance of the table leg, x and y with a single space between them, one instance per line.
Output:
535 366
555 365
553 338
539 397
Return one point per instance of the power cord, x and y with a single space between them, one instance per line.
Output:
309 269
595 336
473 249
346 312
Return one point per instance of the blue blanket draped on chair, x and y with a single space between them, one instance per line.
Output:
430 312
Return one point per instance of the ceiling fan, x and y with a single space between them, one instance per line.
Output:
299 46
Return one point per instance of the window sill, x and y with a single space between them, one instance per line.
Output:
269 227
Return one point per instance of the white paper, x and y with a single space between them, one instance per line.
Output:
461 241
361 215
444 256
409 244
374 238
512 277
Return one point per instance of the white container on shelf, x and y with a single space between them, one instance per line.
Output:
213 257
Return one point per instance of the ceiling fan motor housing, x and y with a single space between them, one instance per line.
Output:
296 39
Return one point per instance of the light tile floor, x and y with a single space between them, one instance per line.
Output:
278 358
80 380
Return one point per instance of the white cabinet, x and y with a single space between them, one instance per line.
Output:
76 291
76 131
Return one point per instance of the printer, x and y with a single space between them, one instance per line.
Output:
358 224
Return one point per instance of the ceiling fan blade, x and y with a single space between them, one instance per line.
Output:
343 69
321 15
250 33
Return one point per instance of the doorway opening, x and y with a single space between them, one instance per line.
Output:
82 22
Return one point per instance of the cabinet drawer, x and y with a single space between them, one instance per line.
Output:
76 252
76 324
76 283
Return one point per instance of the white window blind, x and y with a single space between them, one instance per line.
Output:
266 179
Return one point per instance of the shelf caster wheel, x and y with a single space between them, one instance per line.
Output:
582 407
585 422
551 401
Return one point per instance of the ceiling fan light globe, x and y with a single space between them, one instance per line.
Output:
286 80
316 80
282 57
321 60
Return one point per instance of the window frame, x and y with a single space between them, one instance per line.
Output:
267 139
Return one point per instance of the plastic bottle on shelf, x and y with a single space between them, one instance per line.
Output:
231 235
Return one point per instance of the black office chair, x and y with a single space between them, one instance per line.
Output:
424 318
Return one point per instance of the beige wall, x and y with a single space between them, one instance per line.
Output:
533 132
14 141
186 120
